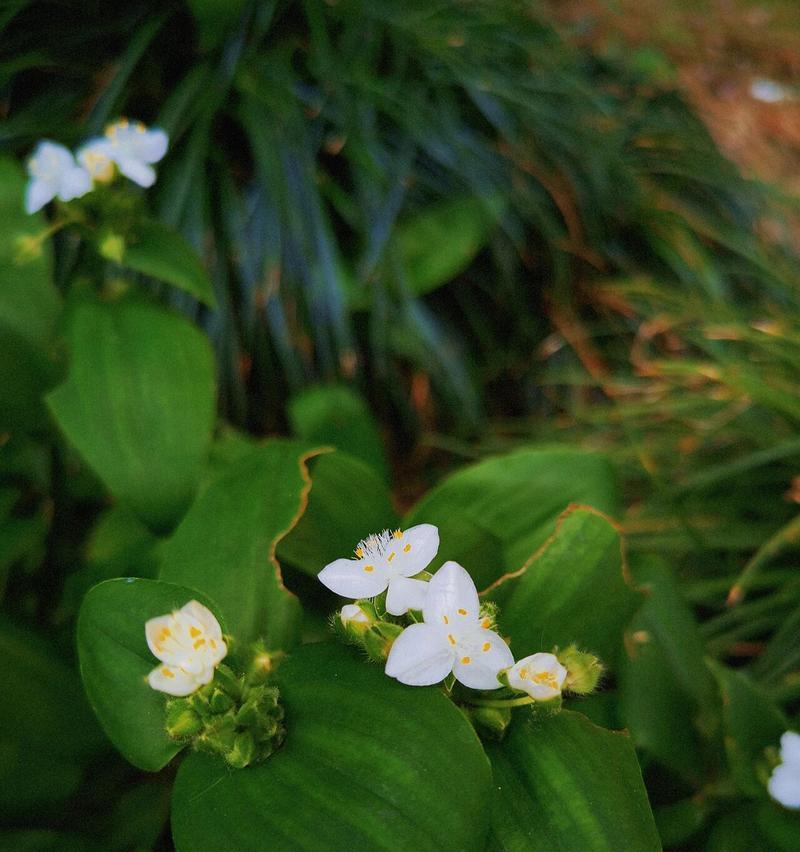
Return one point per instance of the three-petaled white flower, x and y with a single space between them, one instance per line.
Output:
95 157
784 783
189 644
540 675
54 172
387 560
133 148
453 638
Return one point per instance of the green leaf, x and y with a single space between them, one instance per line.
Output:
367 764
563 784
667 695
44 841
225 546
47 733
439 243
513 500
347 502
162 253
337 416
138 404
751 723
575 589
29 305
115 662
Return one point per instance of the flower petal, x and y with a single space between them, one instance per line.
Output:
136 171
451 595
37 194
784 785
540 675
420 656
166 639
354 578
790 748
174 681
412 551
153 145
74 183
205 618
405 594
480 657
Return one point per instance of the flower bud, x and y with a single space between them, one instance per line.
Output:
583 670
243 751
491 721
357 617
379 638
220 702
182 722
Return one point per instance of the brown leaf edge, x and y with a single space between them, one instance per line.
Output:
534 557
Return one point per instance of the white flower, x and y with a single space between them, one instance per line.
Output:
95 157
134 148
540 675
784 783
54 172
189 643
353 614
453 638
386 561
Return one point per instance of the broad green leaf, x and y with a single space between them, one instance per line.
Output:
513 500
29 305
367 764
441 241
751 723
575 589
115 662
564 785
162 253
138 404
667 695
347 503
225 545
337 416
47 733
779 826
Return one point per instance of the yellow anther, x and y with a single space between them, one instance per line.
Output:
199 643
486 646
390 556
369 568
451 639
359 552
213 644
445 619
465 661
462 611
194 632
397 534
407 548
486 623
167 672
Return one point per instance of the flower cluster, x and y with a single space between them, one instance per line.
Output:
451 633
784 783
127 146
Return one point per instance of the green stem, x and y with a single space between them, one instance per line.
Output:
502 703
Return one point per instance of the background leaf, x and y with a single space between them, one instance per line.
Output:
225 546
162 253
138 404
575 589
564 784
47 732
115 662
367 764
514 500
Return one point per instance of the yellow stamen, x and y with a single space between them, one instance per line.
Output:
390 556
462 612
194 632
397 534
445 619
451 639
486 623
359 552
369 568
199 643
465 661
168 672
486 646
407 548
